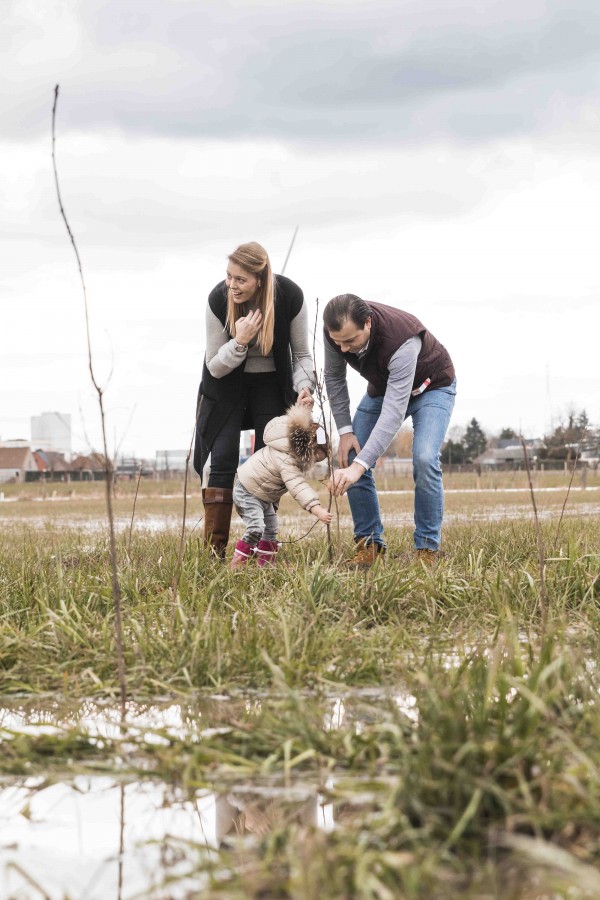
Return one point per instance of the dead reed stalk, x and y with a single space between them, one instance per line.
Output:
290 248
137 488
564 506
179 563
321 398
540 544
109 468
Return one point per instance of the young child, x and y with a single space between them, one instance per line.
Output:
290 449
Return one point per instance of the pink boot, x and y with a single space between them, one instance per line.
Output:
242 554
266 552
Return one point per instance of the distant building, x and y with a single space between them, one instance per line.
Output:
246 445
16 442
88 468
16 463
132 467
52 466
52 431
509 454
170 461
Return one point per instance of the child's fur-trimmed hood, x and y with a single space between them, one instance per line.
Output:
295 433
302 434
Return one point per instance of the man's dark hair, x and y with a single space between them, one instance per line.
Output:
344 307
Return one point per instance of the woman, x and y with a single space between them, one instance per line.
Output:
257 364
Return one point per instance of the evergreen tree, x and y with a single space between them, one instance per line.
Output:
474 441
453 453
507 434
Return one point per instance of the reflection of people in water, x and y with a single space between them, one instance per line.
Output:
251 812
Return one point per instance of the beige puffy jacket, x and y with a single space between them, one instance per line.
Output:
274 469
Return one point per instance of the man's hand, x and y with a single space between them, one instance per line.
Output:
321 513
247 327
342 479
347 443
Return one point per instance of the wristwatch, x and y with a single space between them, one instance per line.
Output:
239 348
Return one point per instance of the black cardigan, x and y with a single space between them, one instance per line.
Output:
218 397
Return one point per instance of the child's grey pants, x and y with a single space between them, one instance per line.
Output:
258 516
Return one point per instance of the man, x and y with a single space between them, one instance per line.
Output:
409 373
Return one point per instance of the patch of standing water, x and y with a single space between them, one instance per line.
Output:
94 837
98 836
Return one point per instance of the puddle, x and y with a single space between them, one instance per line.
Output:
191 721
89 525
98 836
94 836
291 525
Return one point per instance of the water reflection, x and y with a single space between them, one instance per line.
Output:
92 837
95 838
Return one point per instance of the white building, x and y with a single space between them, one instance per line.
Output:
51 431
170 460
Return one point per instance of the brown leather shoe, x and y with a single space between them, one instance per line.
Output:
429 558
366 554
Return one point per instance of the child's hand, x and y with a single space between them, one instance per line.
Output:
321 513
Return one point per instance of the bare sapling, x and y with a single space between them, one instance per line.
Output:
321 400
109 467
540 544
137 488
564 506
290 248
179 563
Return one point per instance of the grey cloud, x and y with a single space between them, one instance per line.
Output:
323 72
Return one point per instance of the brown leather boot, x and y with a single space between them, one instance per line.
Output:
429 558
218 504
365 555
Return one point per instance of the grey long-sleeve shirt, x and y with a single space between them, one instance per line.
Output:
402 367
222 357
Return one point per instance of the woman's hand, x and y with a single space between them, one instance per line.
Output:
247 327
305 398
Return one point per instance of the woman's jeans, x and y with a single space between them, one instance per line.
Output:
430 414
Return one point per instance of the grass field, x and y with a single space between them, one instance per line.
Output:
307 731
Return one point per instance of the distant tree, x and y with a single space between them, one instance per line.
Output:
453 453
402 444
474 441
562 442
582 422
507 434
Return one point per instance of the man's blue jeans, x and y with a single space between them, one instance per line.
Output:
430 414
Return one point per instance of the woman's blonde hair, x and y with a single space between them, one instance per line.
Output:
255 260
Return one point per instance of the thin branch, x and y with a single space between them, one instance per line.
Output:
109 468
179 564
321 398
302 536
540 542
564 506
137 487
290 250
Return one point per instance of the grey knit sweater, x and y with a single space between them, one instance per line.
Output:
222 357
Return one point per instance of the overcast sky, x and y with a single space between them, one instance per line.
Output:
442 158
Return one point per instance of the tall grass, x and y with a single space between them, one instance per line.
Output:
316 621
478 753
